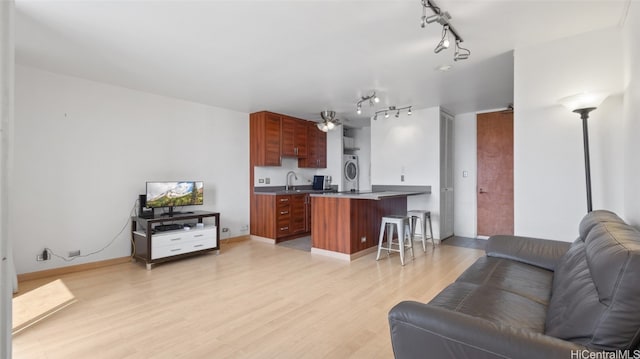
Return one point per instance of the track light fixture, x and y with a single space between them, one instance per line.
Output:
444 42
443 17
461 53
373 98
392 109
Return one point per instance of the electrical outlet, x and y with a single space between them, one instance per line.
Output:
465 173
401 178
260 180
245 227
225 229
267 180
74 253
44 256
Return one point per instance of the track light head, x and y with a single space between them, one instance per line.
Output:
376 99
398 114
444 42
386 114
359 109
461 53
432 19
409 112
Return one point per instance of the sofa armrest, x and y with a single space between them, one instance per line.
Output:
421 330
538 252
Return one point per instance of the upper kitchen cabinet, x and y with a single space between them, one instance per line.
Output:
316 148
264 139
294 137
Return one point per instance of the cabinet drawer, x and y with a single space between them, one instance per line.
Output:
181 248
178 237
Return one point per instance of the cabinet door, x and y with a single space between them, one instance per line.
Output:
294 137
298 214
288 132
264 138
307 206
316 148
321 149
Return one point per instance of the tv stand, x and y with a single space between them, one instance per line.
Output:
153 247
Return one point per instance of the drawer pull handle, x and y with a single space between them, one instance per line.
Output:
284 212
199 235
284 199
176 250
198 245
284 228
175 239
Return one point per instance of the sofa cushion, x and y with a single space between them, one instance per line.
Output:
493 304
595 294
516 277
591 219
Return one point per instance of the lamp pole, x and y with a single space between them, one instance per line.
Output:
584 115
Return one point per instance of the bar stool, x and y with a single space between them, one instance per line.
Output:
423 216
403 226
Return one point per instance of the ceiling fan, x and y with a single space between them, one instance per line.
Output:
329 121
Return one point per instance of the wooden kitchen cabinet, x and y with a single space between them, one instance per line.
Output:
281 216
316 148
294 137
264 138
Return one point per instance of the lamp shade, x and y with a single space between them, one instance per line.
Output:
583 100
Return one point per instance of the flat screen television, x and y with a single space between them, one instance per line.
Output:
174 194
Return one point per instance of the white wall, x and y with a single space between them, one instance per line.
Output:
465 199
409 145
631 125
549 176
83 151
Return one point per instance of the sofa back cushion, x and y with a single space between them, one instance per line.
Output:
596 293
591 219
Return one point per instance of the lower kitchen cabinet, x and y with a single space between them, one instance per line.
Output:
281 216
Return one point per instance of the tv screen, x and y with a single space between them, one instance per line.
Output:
174 194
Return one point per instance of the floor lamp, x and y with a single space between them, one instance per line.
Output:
583 103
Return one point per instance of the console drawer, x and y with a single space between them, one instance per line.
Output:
185 247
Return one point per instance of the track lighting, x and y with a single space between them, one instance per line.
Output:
373 98
461 53
443 17
391 109
444 42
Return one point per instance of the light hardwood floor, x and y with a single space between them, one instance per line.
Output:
253 300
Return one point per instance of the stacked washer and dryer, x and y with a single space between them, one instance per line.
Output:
351 173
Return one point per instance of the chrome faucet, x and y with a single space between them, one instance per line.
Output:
286 188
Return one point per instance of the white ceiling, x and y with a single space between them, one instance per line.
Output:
298 57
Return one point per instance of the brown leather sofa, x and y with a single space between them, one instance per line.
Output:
534 298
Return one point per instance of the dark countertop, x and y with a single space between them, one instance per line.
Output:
280 190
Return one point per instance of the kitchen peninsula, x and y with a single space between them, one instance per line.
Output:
346 224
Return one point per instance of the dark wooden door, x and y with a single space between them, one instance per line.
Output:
495 173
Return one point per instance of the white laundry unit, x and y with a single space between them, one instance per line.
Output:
351 173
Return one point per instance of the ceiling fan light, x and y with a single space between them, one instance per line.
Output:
331 125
